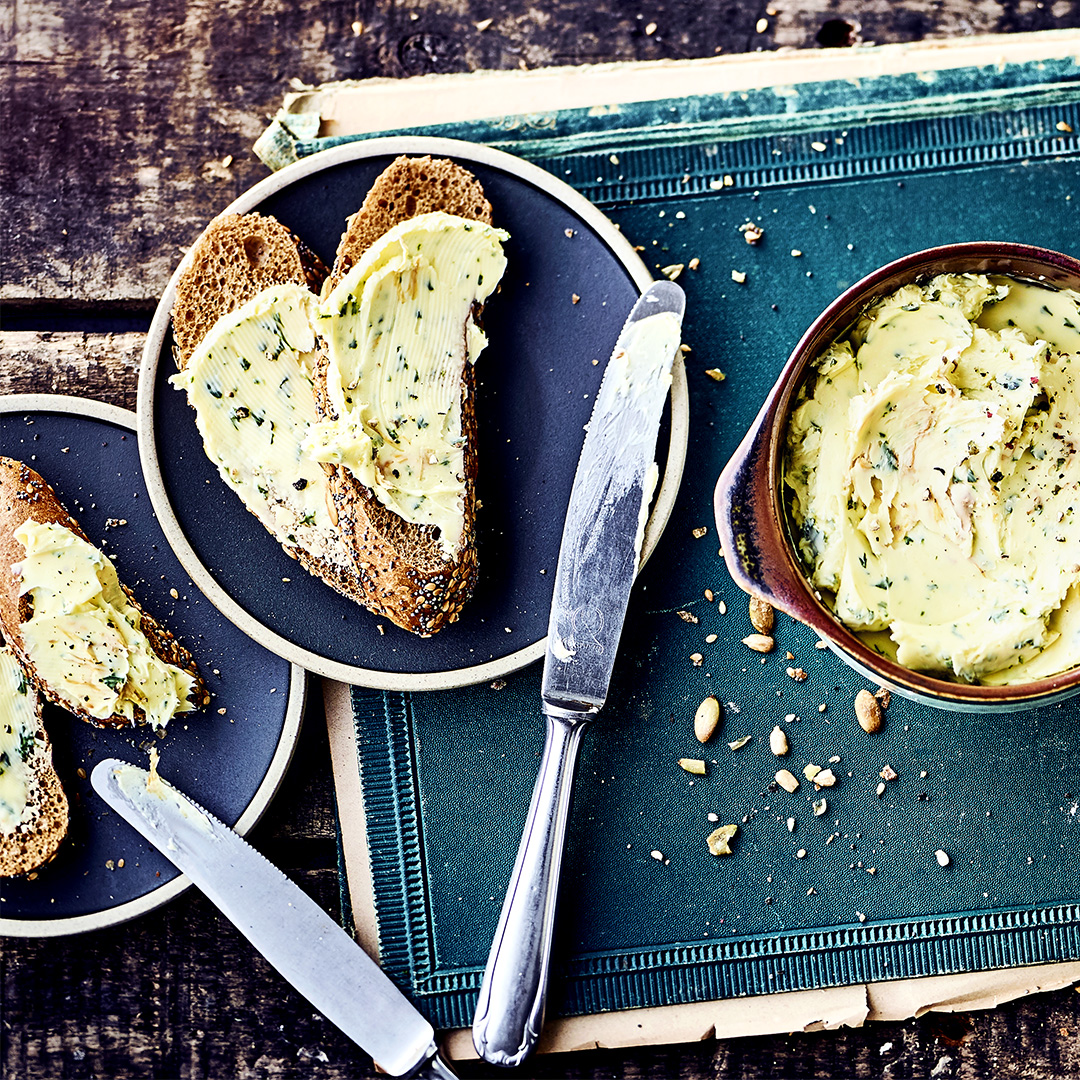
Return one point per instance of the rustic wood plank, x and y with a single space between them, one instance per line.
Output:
100 366
131 124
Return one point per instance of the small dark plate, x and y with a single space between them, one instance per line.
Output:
230 756
537 382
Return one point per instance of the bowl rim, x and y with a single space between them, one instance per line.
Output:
1022 261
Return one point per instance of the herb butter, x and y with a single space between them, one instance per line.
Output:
85 638
19 746
934 479
399 329
250 383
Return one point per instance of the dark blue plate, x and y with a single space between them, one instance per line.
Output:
229 756
537 381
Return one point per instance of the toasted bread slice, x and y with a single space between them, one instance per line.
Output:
26 497
237 257
406 188
33 806
403 567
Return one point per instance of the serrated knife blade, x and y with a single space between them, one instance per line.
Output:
284 924
599 558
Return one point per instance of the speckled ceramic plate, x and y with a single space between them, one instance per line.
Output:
537 380
230 756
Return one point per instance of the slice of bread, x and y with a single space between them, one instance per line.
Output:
237 257
32 830
402 567
24 496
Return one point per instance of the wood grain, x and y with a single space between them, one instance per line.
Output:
130 124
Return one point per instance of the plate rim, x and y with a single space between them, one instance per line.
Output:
268 786
458 149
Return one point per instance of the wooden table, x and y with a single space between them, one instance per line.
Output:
127 126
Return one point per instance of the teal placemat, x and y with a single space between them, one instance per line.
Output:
856 894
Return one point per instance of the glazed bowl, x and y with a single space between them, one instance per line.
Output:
756 535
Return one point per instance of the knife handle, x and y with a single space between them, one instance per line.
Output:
510 1011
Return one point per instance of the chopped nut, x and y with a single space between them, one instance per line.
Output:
867 712
738 276
699 532
696 659
694 263
762 616
574 298
688 616
657 855
778 742
811 770
738 744
759 642
883 696
888 773
692 765
942 857
706 719
821 806
752 232
825 778
787 780
797 674
715 374
719 840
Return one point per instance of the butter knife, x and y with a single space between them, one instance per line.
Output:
598 560
295 935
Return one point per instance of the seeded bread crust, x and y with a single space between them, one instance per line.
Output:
402 569
36 841
237 257
25 495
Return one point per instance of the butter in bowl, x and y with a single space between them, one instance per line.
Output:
910 487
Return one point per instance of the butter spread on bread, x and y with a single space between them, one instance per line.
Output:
84 637
399 332
33 806
79 634
250 383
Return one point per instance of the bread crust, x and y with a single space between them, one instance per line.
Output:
25 495
36 842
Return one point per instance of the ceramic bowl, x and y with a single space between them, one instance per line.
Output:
755 533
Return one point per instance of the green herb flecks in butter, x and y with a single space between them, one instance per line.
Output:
934 477
18 725
399 329
85 638
250 383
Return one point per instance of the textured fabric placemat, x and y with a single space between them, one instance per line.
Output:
854 895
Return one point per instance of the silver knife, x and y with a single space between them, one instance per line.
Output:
283 923
598 561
